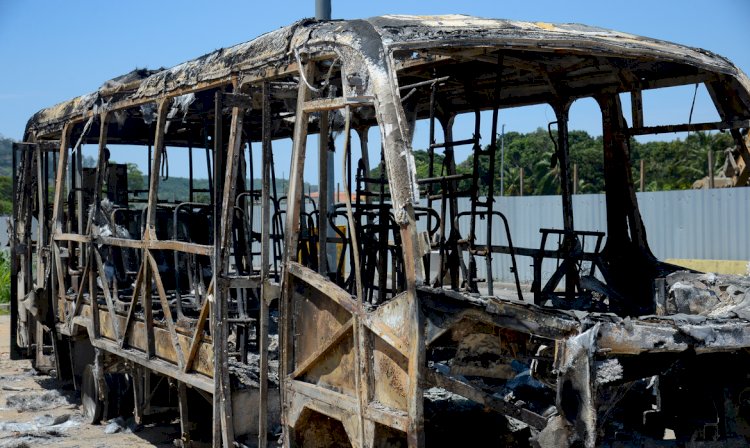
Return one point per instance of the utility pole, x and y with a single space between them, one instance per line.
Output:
502 161
323 9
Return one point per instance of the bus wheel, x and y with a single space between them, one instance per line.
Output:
93 407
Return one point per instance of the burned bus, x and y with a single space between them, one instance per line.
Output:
372 317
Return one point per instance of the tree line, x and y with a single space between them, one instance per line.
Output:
668 165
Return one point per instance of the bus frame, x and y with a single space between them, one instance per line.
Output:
356 356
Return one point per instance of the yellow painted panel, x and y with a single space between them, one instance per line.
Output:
739 267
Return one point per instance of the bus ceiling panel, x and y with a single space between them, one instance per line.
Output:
458 93
543 64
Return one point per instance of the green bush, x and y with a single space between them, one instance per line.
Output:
6 195
4 276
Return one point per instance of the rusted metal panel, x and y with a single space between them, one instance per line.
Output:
379 347
164 349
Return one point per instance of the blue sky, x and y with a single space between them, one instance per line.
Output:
55 50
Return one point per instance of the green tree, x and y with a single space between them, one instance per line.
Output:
669 165
6 156
135 177
6 195
676 164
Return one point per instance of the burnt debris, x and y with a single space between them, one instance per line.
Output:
354 306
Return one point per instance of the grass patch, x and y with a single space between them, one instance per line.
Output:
4 276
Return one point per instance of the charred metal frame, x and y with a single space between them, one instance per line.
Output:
357 354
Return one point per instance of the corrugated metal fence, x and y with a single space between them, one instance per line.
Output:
700 224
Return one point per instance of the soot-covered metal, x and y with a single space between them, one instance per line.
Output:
359 318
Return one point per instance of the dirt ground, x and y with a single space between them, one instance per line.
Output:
37 410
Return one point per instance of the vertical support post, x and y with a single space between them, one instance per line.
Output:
452 260
210 173
264 266
58 280
617 231
417 357
710 168
622 208
92 296
148 312
630 261
184 416
491 176
38 330
149 232
323 174
218 307
563 157
476 151
78 178
286 335
636 108
364 148
42 237
148 392
149 156
154 164
190 174
137 373
224 210
100 170
46 233
234 149
431 169
359 331
21 256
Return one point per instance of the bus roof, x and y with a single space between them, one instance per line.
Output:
409 33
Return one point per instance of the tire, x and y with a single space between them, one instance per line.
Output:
93 407
119 396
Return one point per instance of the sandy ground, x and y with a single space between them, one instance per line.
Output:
36 410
